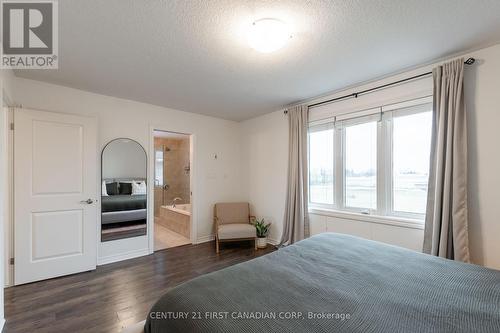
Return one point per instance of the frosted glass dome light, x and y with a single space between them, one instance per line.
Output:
268 35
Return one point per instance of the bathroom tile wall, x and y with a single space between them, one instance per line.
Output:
176 166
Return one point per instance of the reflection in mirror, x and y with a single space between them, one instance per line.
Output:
158 167
124 194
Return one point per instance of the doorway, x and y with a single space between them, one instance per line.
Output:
55 194
172 189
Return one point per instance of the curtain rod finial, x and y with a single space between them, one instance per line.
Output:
470 61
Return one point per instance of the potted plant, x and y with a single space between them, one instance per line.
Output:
262 230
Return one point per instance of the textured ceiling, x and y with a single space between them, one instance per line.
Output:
192 55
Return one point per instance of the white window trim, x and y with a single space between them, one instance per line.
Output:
326 121
384 213
387 220
383 174
338 162
324 124
402 110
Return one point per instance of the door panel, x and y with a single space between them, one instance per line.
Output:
66 242
55 163
68 179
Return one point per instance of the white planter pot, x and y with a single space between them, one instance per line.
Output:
261 242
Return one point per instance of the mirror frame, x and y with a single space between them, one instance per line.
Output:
147 188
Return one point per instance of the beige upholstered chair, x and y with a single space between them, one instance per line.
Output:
232 223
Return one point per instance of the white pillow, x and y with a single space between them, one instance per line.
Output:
138 188
104 191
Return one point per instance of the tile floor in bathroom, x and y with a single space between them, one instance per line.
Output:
166 238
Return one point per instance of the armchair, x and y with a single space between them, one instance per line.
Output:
232 223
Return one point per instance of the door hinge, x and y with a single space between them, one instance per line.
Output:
11 261
11 126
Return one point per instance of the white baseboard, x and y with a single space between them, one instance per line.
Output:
273 241
9 281
122 256
205 239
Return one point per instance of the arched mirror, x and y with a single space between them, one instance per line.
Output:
124 193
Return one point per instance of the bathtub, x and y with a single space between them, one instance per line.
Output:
177 219
181 209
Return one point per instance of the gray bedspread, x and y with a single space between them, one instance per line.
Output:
115 203
335 283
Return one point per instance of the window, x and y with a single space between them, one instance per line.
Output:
411 152
374 161
159 167
361 166
321 176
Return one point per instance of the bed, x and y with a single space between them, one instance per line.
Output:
335 283
122 208
122 215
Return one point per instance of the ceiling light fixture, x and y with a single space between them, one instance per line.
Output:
268 35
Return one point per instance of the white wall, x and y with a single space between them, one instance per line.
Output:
252 155
214 180
482 87
266 148
408 237
3 194
5 97
269 143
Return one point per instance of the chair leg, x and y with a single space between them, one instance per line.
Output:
217 244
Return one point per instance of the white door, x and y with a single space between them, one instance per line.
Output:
55 217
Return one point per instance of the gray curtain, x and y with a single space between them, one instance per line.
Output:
446 231
296 221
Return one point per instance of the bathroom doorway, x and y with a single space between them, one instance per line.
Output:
172 189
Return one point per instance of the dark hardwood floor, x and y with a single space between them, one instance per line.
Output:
115 295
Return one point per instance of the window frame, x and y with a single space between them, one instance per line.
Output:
342 129
385 160
156 180
400 112
318 126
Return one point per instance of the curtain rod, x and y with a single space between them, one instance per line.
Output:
469 61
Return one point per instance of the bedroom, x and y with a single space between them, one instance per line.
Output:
193 70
